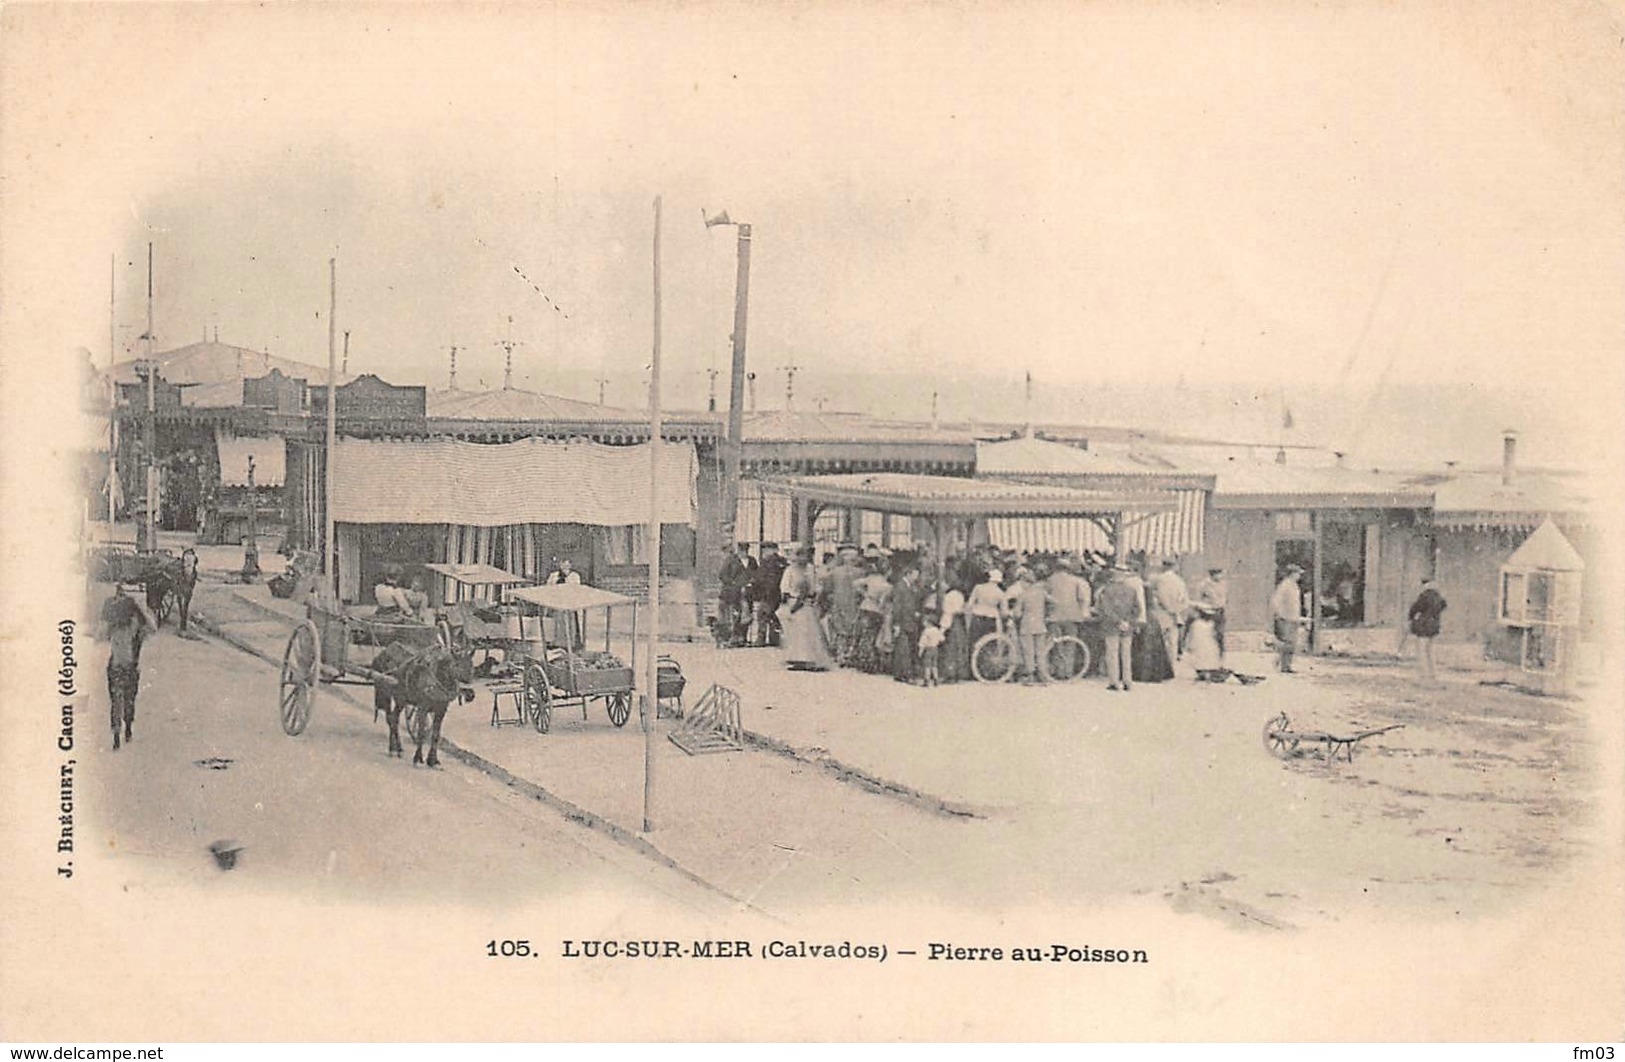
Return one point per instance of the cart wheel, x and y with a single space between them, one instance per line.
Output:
620 708
1279 741
993 658
1068 658
538 699
301 666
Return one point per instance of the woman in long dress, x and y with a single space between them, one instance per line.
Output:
805 648
955 654
1202 646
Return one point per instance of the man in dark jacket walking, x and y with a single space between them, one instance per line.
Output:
1424 618
766 594
733 617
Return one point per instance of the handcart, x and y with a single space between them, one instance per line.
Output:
1282 742
558 675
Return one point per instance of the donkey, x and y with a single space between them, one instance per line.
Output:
425 679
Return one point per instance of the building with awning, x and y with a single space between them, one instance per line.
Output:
1360 536
952 512
784 442
520 506
1026 459
207 397
1481 518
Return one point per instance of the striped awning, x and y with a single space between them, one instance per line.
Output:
1160 534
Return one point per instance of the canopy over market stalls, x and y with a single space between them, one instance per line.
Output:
536 481
1044 461
518 506
948 504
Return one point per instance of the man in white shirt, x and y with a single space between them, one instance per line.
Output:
1286 615
1070 599
1170 602
389 594
568 626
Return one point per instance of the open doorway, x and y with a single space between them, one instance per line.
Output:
1299 551
1342 592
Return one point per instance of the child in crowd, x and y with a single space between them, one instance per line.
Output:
931 639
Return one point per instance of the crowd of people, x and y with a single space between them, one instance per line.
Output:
894 613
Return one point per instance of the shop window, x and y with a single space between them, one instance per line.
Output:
1538 597
1298 521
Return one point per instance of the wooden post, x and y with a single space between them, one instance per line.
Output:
1314 589
733 447
329 547
112 384
651 702
150 429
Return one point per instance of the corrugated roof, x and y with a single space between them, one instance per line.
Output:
213 363
1246 479
1485 493
1042 457
784 425
513 405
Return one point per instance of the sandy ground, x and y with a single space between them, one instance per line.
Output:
1069 792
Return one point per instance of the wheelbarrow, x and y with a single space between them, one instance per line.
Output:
1283 742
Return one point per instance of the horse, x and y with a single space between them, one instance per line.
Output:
425 679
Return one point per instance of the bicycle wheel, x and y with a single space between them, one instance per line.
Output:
1068 658
993 658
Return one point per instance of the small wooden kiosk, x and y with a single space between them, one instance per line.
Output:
1540 599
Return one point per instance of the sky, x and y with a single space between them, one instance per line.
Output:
1282 196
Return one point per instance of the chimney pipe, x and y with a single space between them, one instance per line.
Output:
1028 432
1509 456
1280 456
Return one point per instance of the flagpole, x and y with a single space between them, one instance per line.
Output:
651 700
112 386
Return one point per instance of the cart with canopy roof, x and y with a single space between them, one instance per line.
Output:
557 675
476 613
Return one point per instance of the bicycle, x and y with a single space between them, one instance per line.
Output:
995 656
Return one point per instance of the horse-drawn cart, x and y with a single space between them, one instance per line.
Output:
156 573
338 647
559 675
